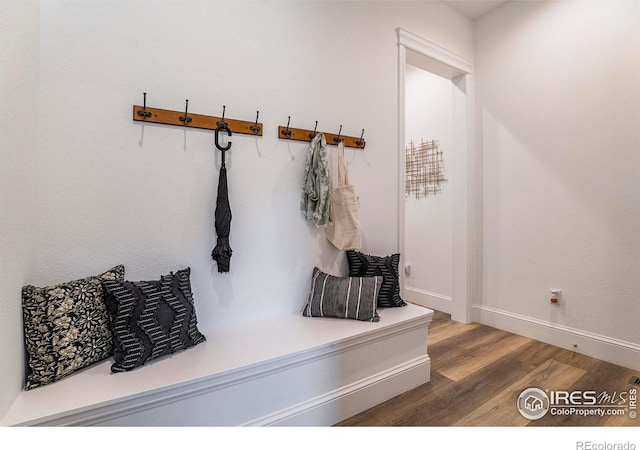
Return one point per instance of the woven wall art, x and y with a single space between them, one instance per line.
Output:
424 171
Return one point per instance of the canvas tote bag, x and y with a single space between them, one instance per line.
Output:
344 229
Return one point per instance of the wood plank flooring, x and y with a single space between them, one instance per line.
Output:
478 372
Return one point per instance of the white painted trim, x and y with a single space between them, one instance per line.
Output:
342 403
401 160
465 213
615 351
465 241
428 299
417 43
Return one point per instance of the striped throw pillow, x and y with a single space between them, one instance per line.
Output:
343 297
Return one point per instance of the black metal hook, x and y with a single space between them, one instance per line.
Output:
337 139
255 128
312 135
185 119
222 122
286 132
360 142
144 113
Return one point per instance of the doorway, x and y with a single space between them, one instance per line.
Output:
439 260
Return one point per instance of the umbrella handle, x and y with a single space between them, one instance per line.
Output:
222 127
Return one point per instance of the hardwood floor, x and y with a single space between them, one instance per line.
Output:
477 374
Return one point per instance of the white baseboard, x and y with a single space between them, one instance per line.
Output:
615 351
340 404
428 299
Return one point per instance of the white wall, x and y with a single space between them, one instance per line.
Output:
558 104
19 35
113 191
428 220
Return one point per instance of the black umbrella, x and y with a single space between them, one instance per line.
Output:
222 251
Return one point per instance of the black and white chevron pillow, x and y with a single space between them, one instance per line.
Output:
343 297
361 265
151 318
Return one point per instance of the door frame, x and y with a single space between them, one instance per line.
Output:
464 184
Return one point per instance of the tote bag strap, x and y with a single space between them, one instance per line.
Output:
343 176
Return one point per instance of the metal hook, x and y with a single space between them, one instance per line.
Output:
337 140
255 128
144 113
185 119
222 122
312 135
286 132
360 142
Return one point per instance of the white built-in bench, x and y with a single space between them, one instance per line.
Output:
288 370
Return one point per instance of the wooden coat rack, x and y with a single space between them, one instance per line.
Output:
299 134
186 119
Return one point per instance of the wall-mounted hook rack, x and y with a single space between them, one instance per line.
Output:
190 120
299 134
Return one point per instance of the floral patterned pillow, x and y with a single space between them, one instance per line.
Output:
67 327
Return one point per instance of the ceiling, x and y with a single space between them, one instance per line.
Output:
474 9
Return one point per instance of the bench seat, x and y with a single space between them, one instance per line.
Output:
286 370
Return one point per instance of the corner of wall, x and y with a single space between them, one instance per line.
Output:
19 46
